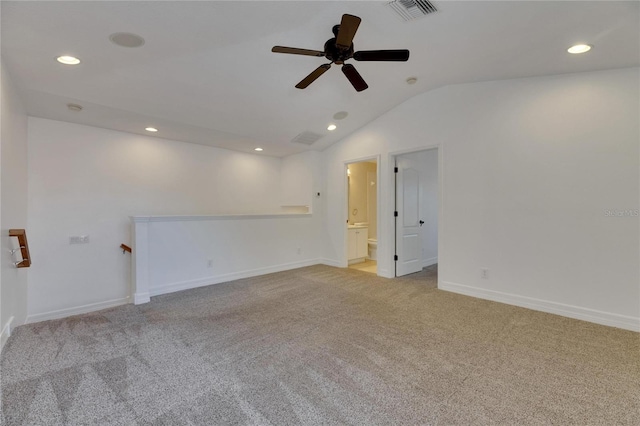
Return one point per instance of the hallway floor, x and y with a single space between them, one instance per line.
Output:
366 266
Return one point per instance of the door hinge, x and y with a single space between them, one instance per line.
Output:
395 257
395 214
395 170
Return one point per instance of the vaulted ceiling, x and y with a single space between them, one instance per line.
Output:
206 73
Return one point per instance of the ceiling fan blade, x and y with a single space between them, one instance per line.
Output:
313 76
296 51
348 28
381 55
354 77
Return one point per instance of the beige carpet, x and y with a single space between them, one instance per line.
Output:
320 345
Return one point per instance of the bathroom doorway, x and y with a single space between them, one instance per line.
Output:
362 215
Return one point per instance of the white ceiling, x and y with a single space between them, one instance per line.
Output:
206 73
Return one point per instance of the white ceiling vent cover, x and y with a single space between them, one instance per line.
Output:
412 9
306 138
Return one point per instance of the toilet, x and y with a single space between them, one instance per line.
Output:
373 248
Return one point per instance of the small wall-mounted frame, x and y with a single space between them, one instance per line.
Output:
21 234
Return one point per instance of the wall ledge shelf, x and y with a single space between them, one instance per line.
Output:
176 252
187 218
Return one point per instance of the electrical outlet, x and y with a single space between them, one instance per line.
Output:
79 239
210 263
484 273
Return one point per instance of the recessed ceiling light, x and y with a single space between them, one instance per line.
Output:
579 48
257 149
332 127
412 80
340 115
151 129
74 107
126 39
68 60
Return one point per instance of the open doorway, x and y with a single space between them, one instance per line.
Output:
362 215
416 212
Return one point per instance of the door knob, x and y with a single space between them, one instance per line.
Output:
421 222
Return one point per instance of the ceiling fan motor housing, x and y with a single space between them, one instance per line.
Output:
335 54
339 49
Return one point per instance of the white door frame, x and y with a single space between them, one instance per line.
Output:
391 182
345 204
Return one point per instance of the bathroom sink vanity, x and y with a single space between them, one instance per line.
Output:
358 243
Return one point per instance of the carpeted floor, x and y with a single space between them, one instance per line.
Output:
320 345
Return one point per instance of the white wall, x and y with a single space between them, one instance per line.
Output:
13 204
88 181
529 167
300 177
176 253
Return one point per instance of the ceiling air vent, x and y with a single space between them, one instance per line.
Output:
306 138
412 9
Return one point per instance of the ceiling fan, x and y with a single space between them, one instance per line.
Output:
339 49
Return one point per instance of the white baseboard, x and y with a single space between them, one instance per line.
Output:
331 262
201 282
576 312
76 310
140 298
429 262
384 273
6 332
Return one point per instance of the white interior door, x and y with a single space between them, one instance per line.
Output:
408 226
